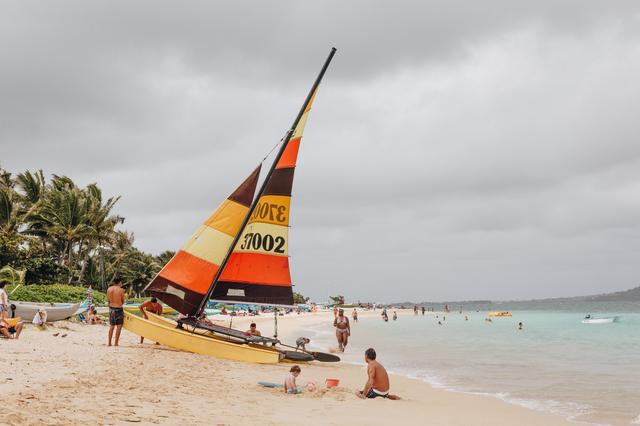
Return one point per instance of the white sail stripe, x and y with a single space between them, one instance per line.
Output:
300 127
271 236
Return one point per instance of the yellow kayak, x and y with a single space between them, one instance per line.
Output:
500 314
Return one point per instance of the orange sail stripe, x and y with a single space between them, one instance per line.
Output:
190 272
290 154
257 269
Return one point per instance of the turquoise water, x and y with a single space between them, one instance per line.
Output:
586 372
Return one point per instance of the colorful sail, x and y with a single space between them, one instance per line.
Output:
184 282
258 268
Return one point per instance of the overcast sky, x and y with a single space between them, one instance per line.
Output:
456 150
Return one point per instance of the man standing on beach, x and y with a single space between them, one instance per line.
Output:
378 380
115 296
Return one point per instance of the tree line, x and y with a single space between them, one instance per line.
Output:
58 232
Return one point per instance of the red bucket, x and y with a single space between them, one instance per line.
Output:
332 383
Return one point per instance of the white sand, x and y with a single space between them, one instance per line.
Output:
51 380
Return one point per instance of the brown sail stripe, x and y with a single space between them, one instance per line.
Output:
180 298
281 182
245 192
251 293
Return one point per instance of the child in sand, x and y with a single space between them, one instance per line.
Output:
290 382
40 319
94 318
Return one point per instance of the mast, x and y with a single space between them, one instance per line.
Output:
286 139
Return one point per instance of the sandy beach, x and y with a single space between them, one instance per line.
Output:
79 379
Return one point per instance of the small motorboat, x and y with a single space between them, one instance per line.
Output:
605 320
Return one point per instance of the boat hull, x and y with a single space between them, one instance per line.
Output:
599 320
55 311
289 356
166 310
190 342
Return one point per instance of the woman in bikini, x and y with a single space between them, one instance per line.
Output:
341 323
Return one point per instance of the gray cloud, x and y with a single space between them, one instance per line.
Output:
455 149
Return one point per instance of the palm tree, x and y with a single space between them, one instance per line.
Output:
138 270
101 223
62 216
8 213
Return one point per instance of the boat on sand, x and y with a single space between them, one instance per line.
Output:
231 335
55 311
239 255
193 342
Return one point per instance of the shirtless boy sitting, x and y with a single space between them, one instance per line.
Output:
378 379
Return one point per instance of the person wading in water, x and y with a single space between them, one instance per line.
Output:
343 331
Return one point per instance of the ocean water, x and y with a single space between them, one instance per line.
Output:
584 372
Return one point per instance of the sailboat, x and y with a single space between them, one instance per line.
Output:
239 254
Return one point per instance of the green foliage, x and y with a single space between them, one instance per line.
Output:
59 232
298 298
54 293
12 276
337 300
41 270
9 249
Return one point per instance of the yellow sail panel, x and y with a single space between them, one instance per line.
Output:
264 238
272 209
228 217
209 244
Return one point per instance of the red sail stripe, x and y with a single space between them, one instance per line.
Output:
190 272
257 269
290 154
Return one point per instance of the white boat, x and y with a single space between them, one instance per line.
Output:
55 311
607 320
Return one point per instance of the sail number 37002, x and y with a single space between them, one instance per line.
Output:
266 242
271 212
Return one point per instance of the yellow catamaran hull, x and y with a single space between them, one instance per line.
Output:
166 310
171 323
190 342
